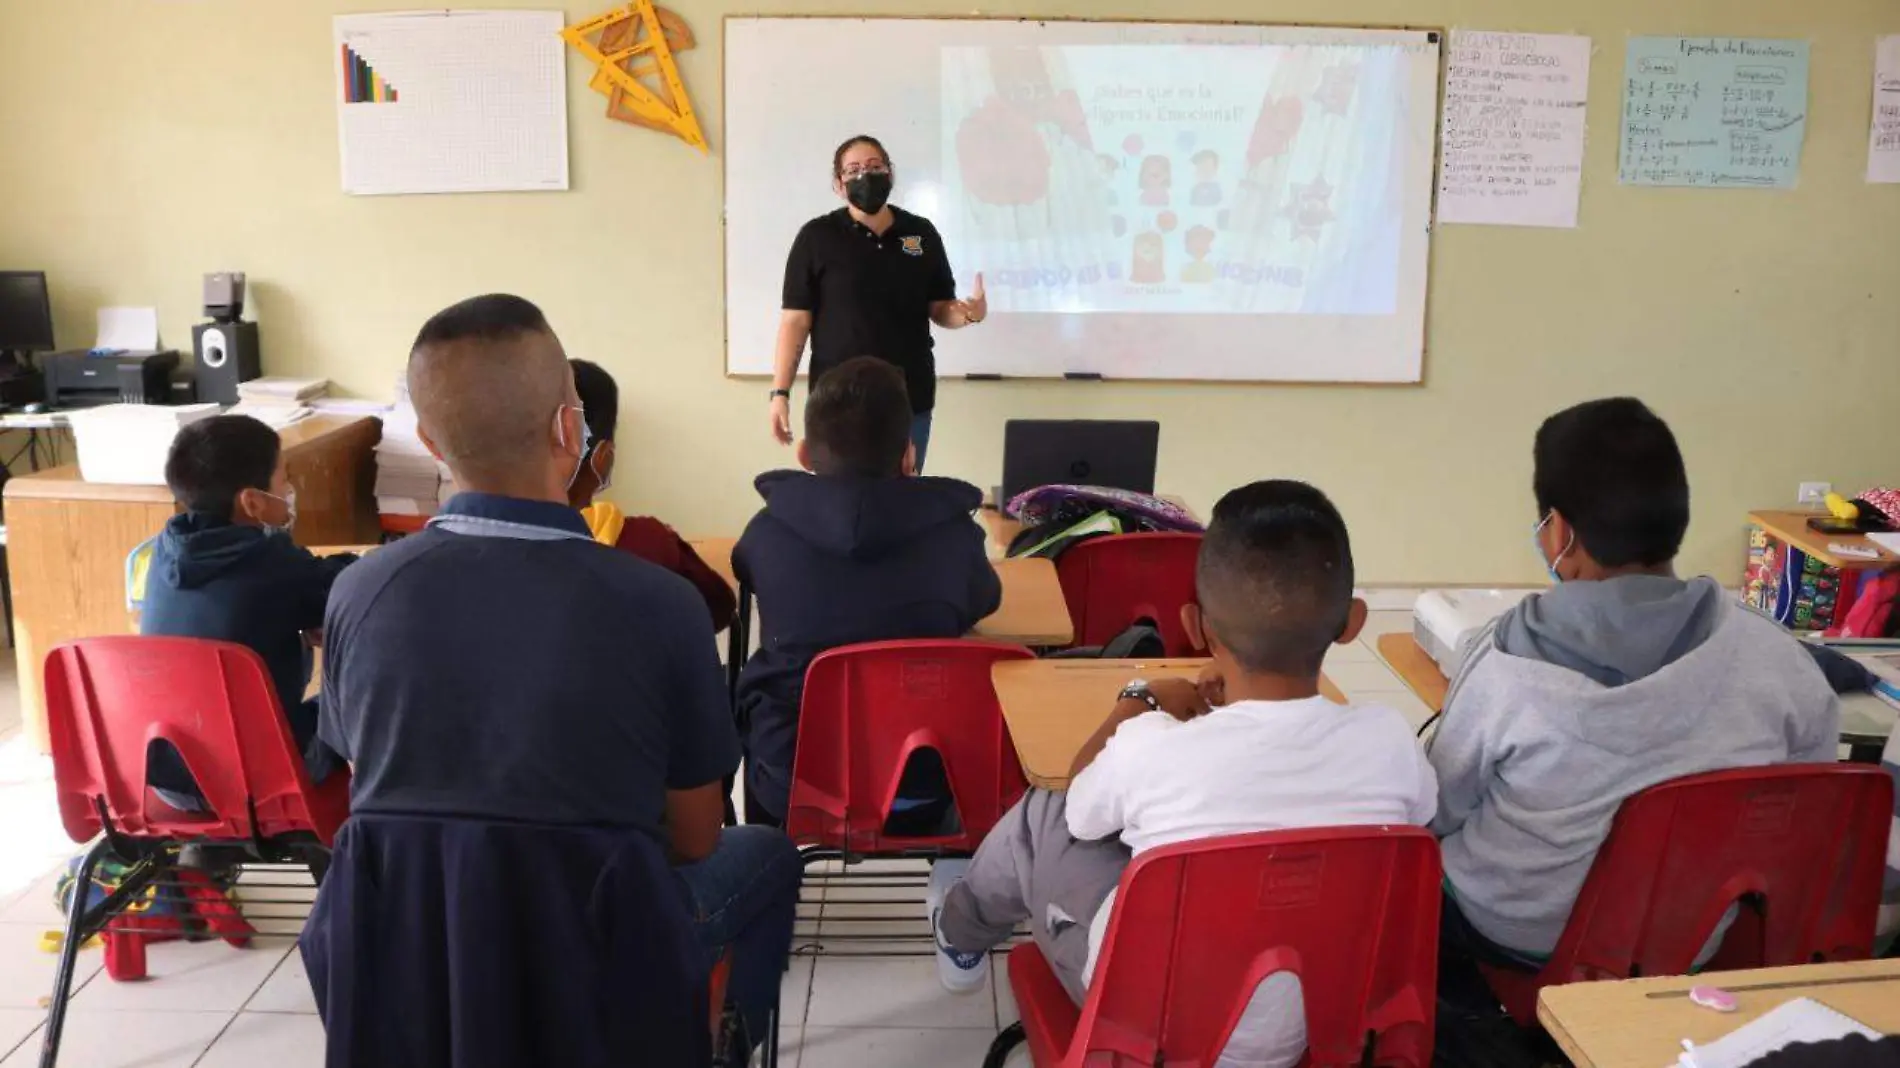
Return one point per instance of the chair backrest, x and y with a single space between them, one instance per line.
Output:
868 707
1353 911
1111 582
1804 845
108 699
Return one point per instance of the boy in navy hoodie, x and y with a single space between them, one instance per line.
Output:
225 568
852 549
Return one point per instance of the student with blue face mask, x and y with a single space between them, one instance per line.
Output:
224 568
1620 676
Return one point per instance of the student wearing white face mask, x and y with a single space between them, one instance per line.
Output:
225 568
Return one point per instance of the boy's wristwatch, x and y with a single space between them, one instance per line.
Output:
777 393
1137 690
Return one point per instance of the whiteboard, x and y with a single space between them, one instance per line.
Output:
1145 200
451 101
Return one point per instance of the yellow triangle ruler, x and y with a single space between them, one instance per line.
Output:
649 41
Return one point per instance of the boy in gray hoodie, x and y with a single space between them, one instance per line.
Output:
1619 677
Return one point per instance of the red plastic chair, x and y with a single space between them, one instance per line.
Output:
1803 846
1353 911
866 710
107 700
1109 583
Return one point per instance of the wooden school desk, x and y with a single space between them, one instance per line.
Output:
1053 707
1792 528
68 538
1640 1023
1414 667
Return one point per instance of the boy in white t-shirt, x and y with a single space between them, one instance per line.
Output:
1253 748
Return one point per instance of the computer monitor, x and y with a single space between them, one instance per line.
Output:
1084 452
26 313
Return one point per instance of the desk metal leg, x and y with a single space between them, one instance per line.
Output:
738 640
738 644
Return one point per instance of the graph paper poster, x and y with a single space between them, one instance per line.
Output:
451 101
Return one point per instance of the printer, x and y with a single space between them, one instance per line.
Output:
1446 622
79 379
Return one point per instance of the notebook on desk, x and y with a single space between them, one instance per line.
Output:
1799 1020
1886 670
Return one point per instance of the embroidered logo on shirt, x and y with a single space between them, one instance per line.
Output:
913 246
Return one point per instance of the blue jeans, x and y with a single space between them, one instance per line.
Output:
920 437
744 897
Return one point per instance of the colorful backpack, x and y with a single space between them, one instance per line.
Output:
185 904
1887 501
1876 612
138 570
1137 511
1057 517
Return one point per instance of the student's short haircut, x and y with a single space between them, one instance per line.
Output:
486 376
600 397
837 157
1611 468
857 421
1206 155
215 459
1275 576
494 317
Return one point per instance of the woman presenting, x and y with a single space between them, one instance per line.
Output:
868 280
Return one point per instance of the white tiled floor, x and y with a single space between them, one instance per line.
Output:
211 1006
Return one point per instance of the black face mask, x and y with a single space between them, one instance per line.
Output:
868 192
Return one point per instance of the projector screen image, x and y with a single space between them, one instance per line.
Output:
1185 178
1144 200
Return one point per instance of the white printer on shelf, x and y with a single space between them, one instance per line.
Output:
1446 622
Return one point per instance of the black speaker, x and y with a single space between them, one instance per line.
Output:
226 354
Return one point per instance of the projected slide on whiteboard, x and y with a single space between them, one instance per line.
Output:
1144 200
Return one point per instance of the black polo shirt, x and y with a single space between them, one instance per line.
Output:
504 665
870 294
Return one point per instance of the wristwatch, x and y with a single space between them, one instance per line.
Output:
777 393
1137 690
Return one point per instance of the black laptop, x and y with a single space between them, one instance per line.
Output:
1084 452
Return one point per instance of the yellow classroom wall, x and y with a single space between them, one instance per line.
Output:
143 143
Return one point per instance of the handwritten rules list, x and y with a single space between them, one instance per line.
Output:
1883 144
1719 112
1511 150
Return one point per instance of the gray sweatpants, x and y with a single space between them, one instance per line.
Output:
1030 867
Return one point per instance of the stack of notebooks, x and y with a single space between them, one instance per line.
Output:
279 402
409 481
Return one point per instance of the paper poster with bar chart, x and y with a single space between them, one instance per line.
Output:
451 101
361 83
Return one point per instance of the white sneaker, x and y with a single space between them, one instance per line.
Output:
960 973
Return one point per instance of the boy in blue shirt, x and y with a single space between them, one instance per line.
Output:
225 569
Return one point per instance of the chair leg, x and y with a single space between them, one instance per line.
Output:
76 934
317 859
1006 1040
770 1059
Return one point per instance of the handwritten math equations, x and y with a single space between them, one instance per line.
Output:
1715 112
1512 143
1883 143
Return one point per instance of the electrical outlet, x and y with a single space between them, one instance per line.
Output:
1814 493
